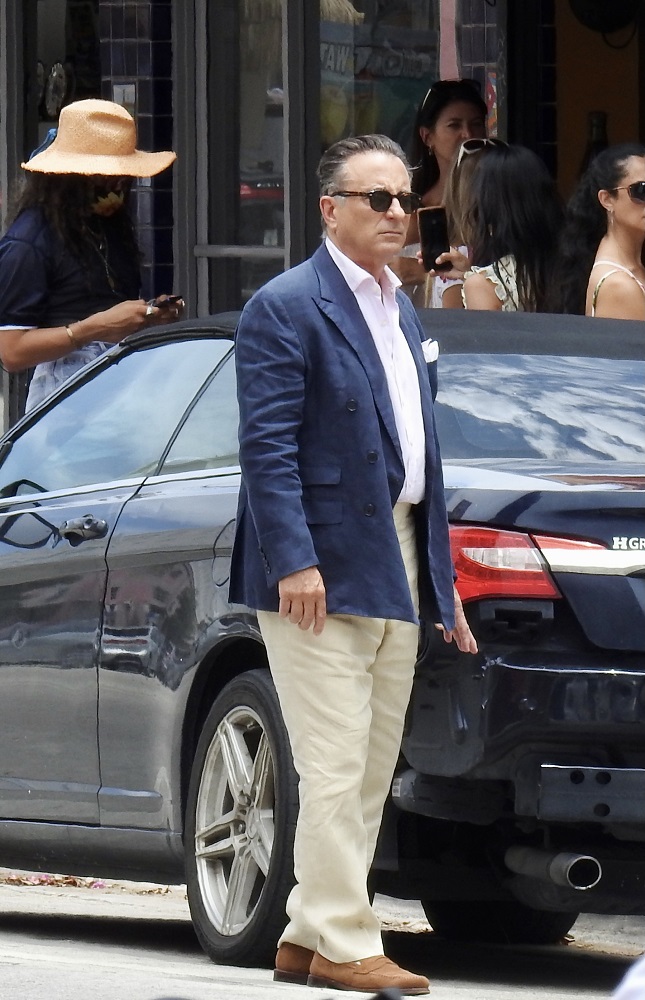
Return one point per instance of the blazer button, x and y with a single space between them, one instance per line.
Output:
351 405
369 509
372 456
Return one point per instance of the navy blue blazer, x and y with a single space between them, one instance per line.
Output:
320 455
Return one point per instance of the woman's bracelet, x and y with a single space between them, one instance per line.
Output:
70 334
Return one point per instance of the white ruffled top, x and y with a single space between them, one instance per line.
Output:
504 279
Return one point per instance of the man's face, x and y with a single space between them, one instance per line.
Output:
371 239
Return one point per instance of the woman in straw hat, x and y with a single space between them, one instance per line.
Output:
69 263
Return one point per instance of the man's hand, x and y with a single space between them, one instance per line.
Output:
302 599
461 633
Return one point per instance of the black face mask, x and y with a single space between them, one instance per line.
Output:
106 201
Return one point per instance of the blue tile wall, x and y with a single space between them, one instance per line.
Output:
478 38
136 47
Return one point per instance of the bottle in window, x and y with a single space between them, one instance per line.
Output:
596 138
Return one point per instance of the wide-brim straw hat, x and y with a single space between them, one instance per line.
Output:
97 138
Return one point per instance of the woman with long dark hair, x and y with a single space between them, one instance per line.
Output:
601 260
451 112
512 228
69 262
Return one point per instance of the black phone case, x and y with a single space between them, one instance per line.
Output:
433 235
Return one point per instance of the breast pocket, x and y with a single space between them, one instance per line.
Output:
320 500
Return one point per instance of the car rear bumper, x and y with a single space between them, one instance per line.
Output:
482 722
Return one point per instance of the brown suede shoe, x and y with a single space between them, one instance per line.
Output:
366 976
292 964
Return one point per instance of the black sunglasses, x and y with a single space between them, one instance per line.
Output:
381 200
636 191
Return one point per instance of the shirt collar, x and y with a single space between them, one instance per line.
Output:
355 275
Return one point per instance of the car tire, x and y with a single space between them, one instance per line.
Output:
496 922
240 822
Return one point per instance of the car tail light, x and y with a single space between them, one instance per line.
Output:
494 563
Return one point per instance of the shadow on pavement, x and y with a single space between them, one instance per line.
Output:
521 965
166 935
553 966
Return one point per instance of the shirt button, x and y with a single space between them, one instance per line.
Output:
372 456
351 405
369 509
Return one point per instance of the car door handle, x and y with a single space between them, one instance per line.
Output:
81 528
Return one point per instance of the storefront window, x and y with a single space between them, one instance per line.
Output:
376 58
351 67
261 215
246 148
68 63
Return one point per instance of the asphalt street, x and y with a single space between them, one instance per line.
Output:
124 941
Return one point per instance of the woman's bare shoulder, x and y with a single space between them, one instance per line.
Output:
480 292
618 294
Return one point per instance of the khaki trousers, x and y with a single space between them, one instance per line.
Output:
343 696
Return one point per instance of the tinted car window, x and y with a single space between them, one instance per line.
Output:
114 426
563 409
208 438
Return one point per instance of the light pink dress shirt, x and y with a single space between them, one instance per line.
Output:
377 302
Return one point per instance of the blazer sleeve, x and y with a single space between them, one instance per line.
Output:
271 389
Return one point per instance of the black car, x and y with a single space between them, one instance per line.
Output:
140 735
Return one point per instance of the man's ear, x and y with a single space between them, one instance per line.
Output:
328 211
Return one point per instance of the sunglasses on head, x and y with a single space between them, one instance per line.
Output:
636 191
380 200
457 87
475 146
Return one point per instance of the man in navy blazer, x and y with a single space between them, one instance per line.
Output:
342 543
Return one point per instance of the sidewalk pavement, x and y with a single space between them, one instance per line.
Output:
29 892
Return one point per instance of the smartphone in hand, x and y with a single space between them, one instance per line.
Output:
171 300
433 236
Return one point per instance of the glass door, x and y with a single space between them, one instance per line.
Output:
271 85
240 154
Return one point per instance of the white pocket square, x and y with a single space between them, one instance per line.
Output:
430 350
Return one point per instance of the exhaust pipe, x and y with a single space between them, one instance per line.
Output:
574 871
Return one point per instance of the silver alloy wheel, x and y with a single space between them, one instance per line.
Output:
234 820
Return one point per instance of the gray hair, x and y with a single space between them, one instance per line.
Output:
333 160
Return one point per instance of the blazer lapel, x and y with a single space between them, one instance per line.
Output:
339 304
411 334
